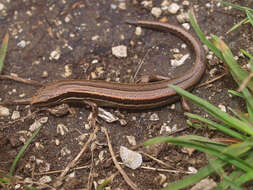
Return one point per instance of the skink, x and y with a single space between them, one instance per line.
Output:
122 95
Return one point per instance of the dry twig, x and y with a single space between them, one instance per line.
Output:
212 80
122 172
22 80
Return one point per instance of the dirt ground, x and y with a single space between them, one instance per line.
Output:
73 39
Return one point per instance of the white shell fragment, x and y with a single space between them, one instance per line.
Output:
38 123
107 116
154 117
205 184
45 179
119 51
15 115
130 158
176 63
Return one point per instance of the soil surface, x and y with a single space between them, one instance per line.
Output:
57 39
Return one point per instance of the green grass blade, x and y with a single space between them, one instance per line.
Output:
234 175
21 152
250 58
250 16
246 54
104 184
193 179
236 93
237 175
247 95
216 112
244 178
243 117
236 6
5 180
227 154
202 173
205 171
31 188
250 111
205 140
203 38
237 72
237 25
3 50
220 127
231 183
194 125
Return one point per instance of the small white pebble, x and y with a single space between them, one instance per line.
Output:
209 56
15 115
94 61
21 44
213 71
131 140
119 51
222 107
17 186
122 6
183 17
186 3
45 179
71 175
22 95
156 11
165 3
55 54
67 18
95 38
173 106
236 58
173 8
183 46
67 72
57 142
1 6
44 74
62 129
113 6
147 4
187 26
163 179
165 129
175 50
174 128
4 111
208 5
138 31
